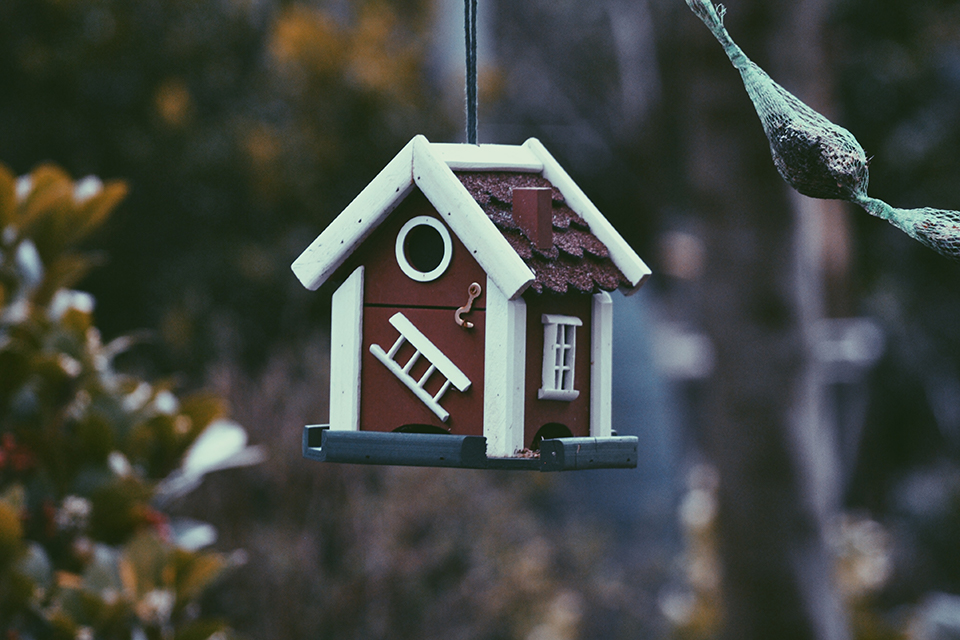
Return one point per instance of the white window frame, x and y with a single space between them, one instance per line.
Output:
559 357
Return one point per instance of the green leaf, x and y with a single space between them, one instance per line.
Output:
95 211
63 273
96 438
202 409
11 534
14 369
148 558
119 509
8 197
155 444
15 497
45 210
196 572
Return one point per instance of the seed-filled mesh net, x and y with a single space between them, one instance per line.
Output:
819 158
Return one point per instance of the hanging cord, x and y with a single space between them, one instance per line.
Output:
470 31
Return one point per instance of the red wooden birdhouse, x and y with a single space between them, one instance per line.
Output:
471 325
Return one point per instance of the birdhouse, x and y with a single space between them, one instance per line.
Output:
472 318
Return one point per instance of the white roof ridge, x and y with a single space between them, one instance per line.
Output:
462 213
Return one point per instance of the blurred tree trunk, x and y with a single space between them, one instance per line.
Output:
776 488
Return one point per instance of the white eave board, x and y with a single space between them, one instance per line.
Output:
371 206
487 157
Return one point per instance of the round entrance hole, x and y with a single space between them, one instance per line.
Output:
549 431
424 248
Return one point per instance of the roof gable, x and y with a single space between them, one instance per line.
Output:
430 167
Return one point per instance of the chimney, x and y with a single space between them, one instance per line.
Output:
533 213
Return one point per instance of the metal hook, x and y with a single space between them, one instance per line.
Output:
473 292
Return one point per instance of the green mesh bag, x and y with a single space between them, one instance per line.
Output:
818 158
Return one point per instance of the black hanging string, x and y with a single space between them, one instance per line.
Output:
470 30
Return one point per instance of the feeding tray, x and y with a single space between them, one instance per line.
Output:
464 452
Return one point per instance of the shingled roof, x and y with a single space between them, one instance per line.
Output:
576 261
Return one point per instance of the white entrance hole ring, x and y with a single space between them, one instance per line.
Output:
436 262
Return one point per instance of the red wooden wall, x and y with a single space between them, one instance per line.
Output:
385 403
575 414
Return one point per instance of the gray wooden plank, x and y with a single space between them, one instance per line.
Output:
406 449
466 452
569 454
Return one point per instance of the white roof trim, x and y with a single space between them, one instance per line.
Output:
430 167
487 157
633 268
355 223
476 231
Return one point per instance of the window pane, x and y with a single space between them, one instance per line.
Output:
557 346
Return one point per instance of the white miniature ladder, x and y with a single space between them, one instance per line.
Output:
437 360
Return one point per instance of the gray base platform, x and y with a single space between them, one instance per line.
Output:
463 452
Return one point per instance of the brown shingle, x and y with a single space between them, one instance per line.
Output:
577 261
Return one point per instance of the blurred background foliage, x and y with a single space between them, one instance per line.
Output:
88 454
241 127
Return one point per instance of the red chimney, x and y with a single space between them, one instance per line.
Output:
533 213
